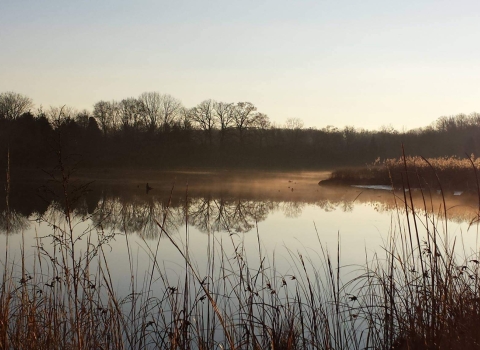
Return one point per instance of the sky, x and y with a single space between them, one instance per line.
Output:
368 64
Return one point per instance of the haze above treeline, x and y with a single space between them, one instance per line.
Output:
156 131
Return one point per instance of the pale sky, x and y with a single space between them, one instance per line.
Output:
364 63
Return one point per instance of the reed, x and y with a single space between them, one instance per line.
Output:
421 292
454 173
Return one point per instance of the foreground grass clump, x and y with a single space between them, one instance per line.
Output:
448 172
421 293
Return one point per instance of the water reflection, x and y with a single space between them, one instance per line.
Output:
134 215
222 207
13 222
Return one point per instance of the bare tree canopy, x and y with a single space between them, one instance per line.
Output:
224 114
294 124
203 116
13 105
82 118
159 111
152 105
184 118
59 115
107 115
131 113
260 121
170 108
242 115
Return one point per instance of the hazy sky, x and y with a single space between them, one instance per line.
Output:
364 63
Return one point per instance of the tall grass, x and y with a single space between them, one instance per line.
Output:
454 173
420 293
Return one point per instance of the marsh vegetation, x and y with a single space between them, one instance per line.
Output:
228 289
417 172
126 253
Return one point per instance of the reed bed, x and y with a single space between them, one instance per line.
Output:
433 173
421 292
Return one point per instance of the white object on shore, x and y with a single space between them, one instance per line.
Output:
375 187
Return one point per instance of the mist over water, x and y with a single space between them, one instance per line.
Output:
288 211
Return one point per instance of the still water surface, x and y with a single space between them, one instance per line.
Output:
278 213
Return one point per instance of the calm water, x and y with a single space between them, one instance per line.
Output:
279 213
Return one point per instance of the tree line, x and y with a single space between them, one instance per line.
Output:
156 131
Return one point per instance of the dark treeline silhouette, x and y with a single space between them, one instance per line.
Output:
156 131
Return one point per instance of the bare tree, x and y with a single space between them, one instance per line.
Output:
185 118
242 116
13 105
107 115
131 114
261 123
60 115
294 124
224 117
170 108
386 129
293 127
474 118
152 109
100 112
203 116
349 135
82 118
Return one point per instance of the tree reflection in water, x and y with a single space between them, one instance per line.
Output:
13 222
292 209
135 215
120 210
230 215
140 215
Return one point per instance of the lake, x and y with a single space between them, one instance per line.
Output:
269 220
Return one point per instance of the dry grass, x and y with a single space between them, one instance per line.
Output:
420 294
433 173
